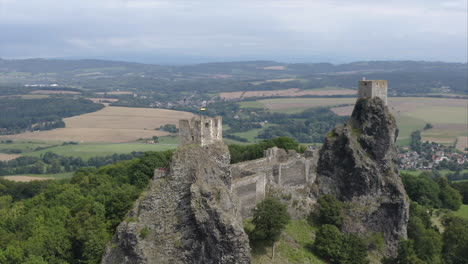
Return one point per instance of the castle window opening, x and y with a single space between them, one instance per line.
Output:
193 138
207 125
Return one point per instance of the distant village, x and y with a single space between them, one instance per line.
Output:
432 156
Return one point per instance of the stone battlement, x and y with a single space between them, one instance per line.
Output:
201 130
373 88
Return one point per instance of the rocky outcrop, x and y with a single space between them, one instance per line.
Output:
188 215
357 164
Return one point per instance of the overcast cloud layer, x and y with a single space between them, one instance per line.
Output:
288 30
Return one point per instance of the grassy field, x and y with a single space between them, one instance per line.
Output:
33 177
86 151
110 125
24 145
442 172
292 247
251 135
463 211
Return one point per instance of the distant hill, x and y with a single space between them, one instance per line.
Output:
406 77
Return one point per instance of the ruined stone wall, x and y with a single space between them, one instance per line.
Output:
279 169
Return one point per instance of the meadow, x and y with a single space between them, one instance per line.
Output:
38 177
86 151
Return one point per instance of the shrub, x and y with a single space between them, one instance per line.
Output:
331 210
339 248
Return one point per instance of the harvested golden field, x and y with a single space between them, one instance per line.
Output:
20 178
110 124
7 157
99 100
53 92
277 68
115 93
293 92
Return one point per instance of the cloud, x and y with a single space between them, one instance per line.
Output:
295 29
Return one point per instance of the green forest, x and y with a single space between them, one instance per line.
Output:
19 115
70 221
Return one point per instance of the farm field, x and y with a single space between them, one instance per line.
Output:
296 105
293 92
37 177
7 157
53 92
86 151
448 116
111 125
462 143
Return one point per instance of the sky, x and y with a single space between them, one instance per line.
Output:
183 31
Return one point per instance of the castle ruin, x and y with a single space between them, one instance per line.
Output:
201 130
373 88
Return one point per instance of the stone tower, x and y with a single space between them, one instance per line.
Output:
373 88
201 130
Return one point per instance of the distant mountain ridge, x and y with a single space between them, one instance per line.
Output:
59 65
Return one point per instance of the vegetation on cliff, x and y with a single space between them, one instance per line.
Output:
241 153
70 222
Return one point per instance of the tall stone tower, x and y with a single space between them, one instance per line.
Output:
201 130
373 88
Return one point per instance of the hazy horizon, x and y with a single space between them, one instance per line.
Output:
186 32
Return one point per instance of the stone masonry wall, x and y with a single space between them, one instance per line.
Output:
278 169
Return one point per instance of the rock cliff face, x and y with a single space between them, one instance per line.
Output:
357 164
187 216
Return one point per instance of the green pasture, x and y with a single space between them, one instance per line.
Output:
442 172
86 151
463 211
294 246
448 115
25 146
406 125
252 134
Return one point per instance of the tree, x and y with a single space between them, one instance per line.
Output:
331 210
270 217
415 142
328 243
450 198
428 126
406 254
339 248
455 238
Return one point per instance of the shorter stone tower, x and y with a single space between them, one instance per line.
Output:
373 88
201 130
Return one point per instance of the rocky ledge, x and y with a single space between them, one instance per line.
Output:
357 164
188 215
